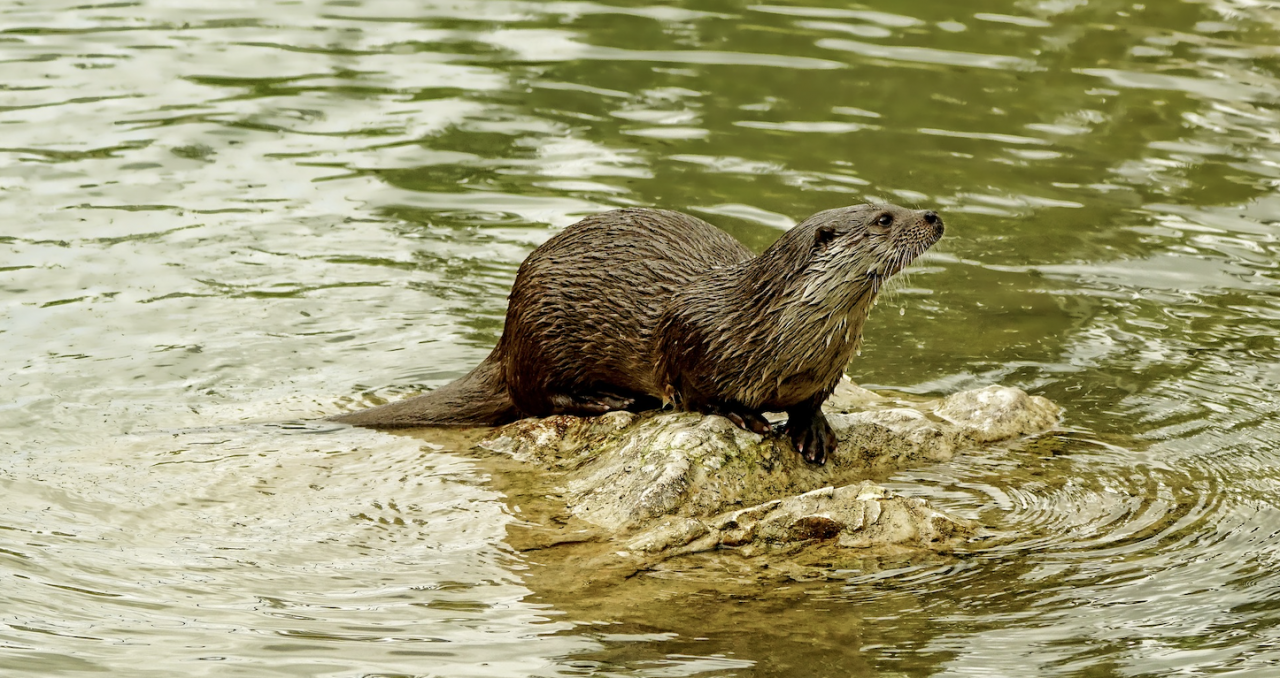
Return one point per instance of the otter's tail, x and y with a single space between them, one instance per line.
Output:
478 399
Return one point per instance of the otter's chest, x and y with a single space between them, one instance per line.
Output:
810 361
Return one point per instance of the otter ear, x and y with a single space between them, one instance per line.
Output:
825 234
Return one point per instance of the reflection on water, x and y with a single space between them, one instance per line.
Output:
219 214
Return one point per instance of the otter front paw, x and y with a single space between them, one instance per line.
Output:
814 439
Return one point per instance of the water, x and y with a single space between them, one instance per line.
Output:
219 217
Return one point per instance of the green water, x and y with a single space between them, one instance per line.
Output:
221 216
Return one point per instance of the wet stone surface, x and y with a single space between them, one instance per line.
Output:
675 483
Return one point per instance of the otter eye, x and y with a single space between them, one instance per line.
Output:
885 219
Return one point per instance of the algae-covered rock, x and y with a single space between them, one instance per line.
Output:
894 438
678 482
558 442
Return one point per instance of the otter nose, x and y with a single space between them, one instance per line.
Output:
935 221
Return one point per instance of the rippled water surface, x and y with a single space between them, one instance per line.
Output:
222 216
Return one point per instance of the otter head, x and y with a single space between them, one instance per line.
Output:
846 254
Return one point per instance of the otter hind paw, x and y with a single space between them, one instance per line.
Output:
587 406
749 421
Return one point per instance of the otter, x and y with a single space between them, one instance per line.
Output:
637 308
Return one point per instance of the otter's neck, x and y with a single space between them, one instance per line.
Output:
813 314
788 273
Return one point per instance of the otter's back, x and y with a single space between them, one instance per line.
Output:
584 304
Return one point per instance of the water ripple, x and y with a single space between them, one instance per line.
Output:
222 213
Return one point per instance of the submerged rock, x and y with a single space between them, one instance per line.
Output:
673 483
861 515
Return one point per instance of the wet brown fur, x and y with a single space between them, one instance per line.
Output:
633 307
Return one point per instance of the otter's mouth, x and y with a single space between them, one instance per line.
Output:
898 260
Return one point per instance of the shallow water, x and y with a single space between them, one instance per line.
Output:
223 216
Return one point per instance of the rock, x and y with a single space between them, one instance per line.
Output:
998 413
861 515
850 397
558 442
673 483
894 438
670 534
